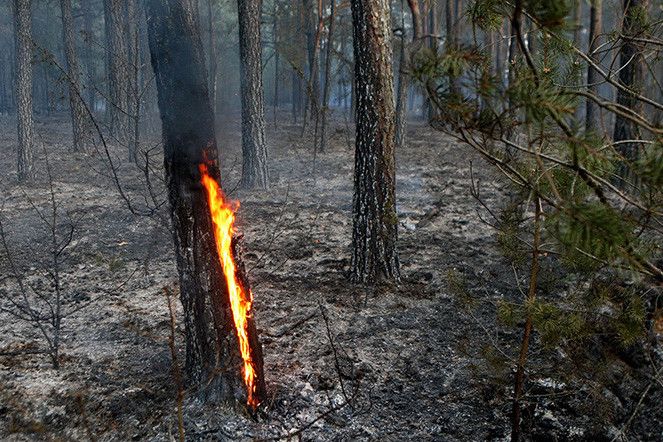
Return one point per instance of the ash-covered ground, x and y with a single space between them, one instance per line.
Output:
343 362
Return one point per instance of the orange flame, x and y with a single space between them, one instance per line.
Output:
223 217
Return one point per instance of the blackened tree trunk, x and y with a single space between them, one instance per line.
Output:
375 223
213 360
117 75
211 48
327 84
407 50
630 76
23 82
133 79
592 120
77 107
254 149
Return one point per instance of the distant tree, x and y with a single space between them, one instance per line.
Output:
375 222
328 77
595 28
406 51
254 148
76 104
213 359
631 77
23 82
117 69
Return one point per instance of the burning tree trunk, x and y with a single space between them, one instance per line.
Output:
375 223
23 32
254 149
223 355
78 120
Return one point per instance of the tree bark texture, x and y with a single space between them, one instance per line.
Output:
23 83
375 223
631 76
254 148
213 360
116 53
76 104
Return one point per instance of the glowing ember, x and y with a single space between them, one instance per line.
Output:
223 217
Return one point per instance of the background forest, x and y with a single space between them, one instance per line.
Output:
450 225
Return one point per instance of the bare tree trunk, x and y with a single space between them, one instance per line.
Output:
133 83
577 42
403 77
116 49
23 42
77 107
277 55
254 149
592 119
328 68
213 357
211 47
89 55
375 222
631 76
451 13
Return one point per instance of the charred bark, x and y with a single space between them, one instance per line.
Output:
116 54
23 82
375 223
254 149
213 360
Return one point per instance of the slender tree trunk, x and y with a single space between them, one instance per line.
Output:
328 68
277 54
88 18
592 120
213 358
211 47
499 56
375 222
133 83
77 107
519 381
577 42
23 51
403 77
451 12
631 76
254 149
116 48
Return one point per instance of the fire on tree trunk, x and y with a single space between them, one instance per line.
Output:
223 354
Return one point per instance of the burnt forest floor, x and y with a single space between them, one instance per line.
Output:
342 362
